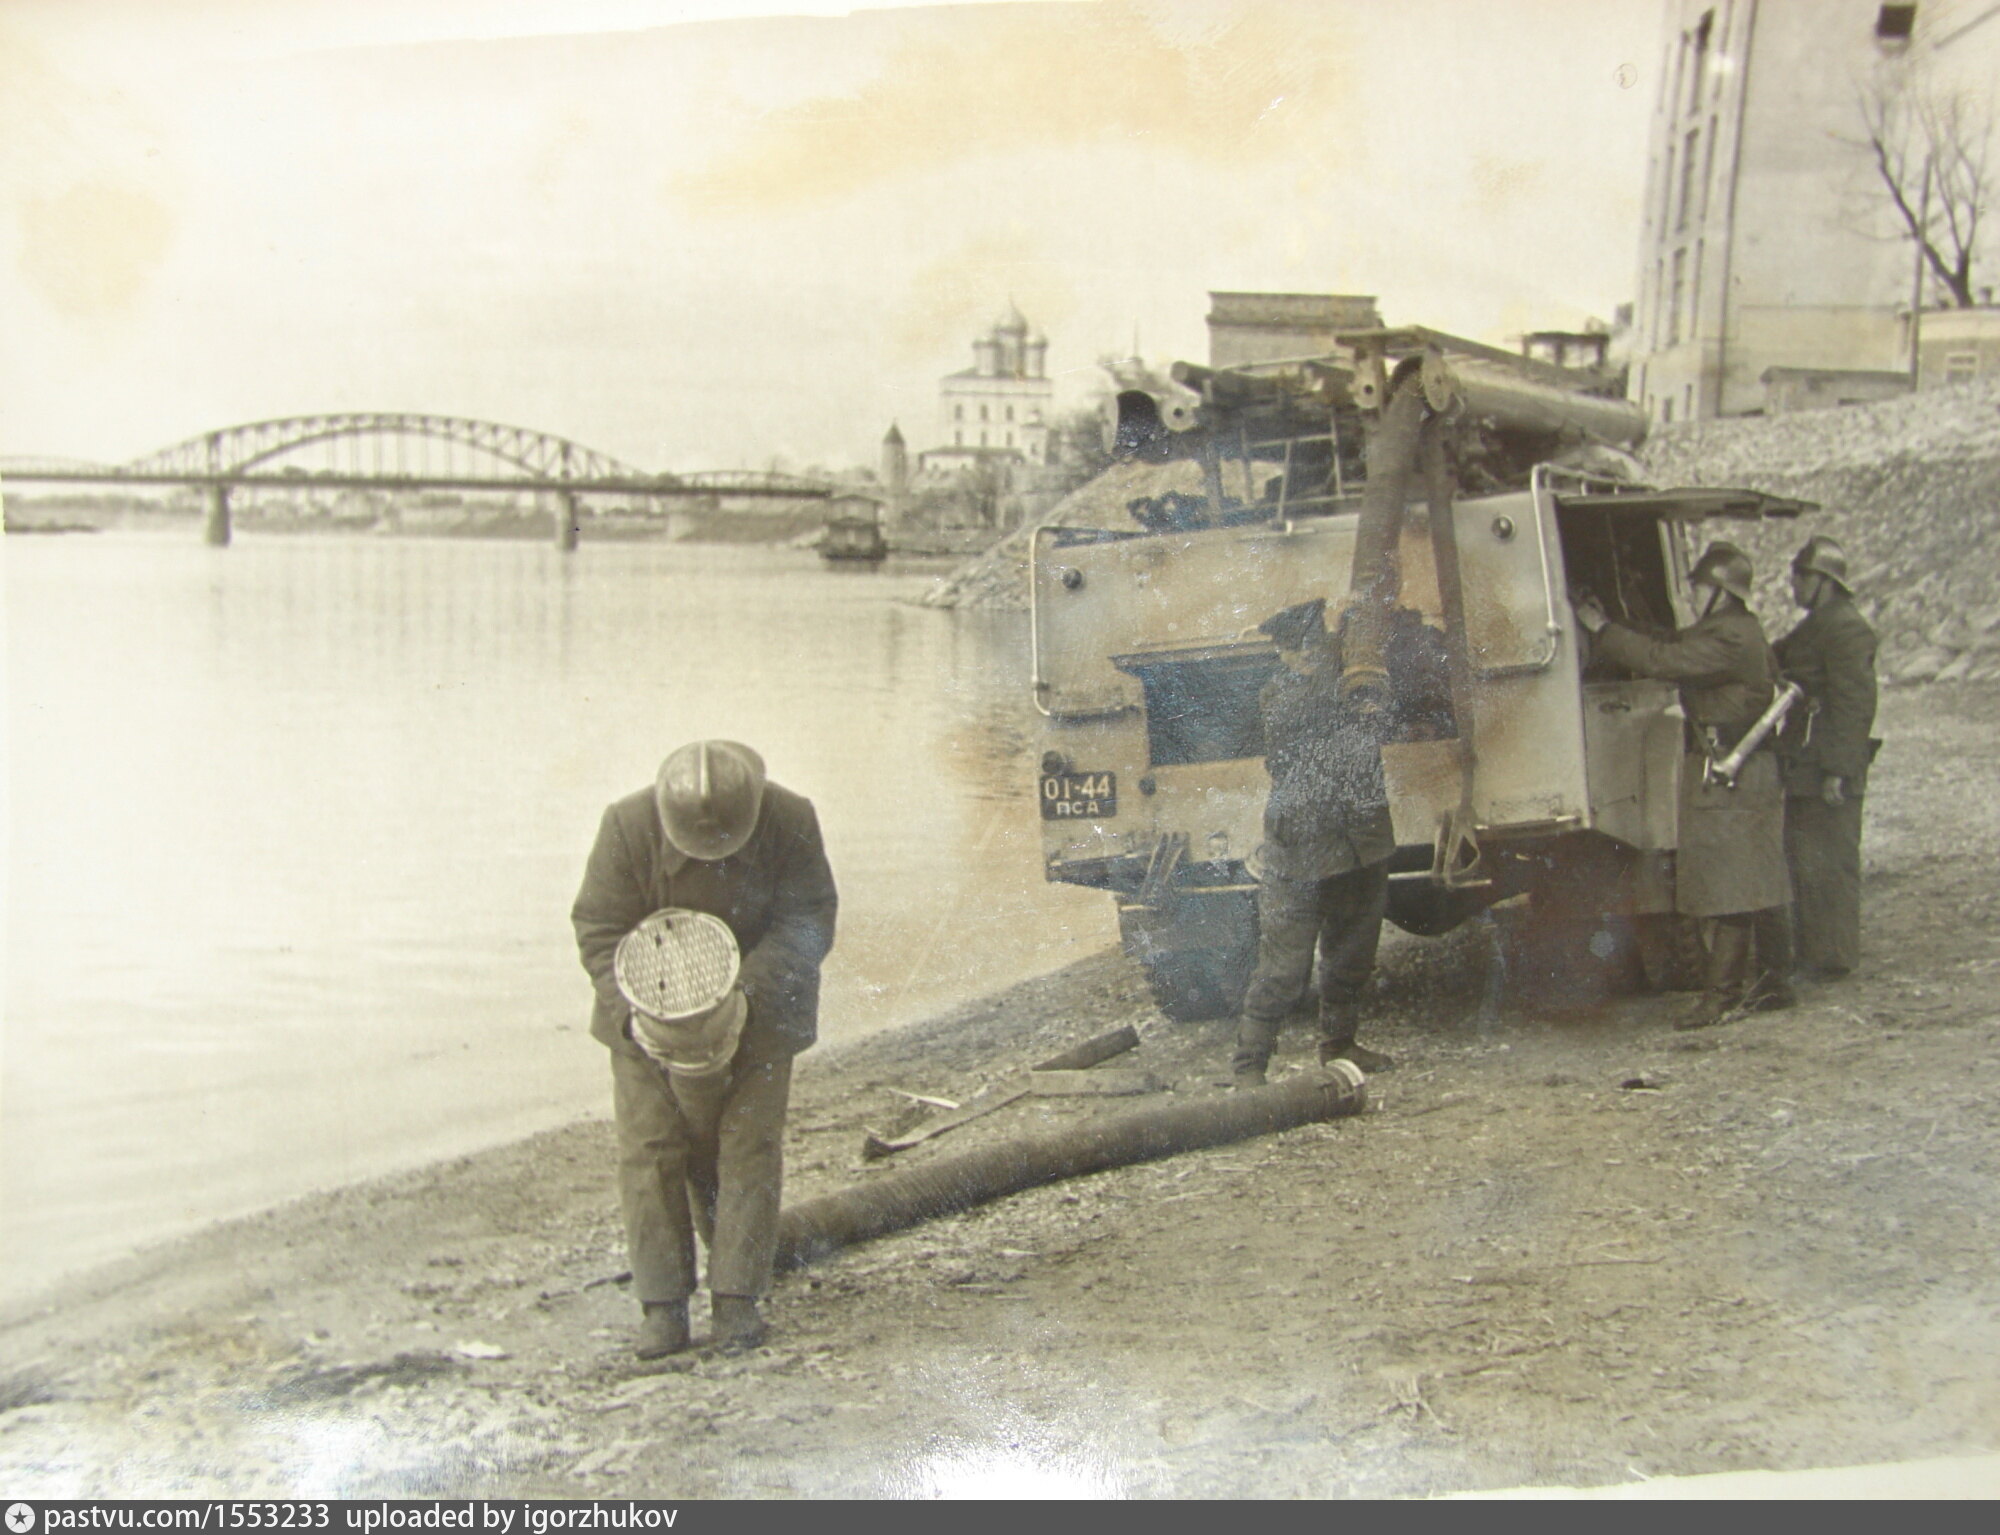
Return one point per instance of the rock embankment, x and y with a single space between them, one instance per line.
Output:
999 577
1910 487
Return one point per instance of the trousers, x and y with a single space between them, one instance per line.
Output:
1823 851
1339 919
701 1158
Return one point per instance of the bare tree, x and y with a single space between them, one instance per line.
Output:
1078 450
1932 148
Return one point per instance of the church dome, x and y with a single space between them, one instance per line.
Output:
1012 323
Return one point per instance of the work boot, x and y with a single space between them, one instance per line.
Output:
1255 1039
1770 994
1771 990
1339 1020
1728 960
737 1324
1369 1062
1709 1009
663 1329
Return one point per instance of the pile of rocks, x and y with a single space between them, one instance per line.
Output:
1910 487
999 577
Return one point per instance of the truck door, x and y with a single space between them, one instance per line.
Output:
1628 559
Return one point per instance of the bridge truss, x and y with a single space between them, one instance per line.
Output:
392 447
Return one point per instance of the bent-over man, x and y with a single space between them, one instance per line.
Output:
1730 863
703 1152
1825 752
1324 884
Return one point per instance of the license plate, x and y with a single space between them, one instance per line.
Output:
1079 796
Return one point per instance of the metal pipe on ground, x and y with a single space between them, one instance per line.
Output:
819 1227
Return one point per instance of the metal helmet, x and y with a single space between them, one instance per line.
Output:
1726 566
709 793
1821 556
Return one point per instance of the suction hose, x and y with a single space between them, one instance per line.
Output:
819 1227
1377 579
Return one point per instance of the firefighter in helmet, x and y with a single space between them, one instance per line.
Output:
1824 753
699 1103
1730 864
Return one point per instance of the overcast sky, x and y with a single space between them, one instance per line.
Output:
712 242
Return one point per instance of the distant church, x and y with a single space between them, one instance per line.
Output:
1000 407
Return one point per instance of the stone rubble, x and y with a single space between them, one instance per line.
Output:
1911 489
999 577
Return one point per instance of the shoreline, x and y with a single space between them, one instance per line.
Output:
1559 1249
785 530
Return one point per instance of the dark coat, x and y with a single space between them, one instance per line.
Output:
1831 654
776 894
1722 663
1730 854
1328 812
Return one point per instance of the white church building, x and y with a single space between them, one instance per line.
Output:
1000 408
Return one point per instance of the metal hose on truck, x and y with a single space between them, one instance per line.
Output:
819 1227
1377 581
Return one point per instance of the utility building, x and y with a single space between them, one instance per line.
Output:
1270 327
1770 245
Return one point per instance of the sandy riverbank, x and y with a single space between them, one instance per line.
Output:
1773 1252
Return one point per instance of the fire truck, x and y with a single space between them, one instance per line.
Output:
1451 500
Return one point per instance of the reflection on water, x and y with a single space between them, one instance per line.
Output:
295 827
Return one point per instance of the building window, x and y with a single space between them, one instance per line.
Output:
1707 170
1010 413
1676 297
1961 367
1667 412
958 439
1010 439
982 413
1895 23
982 439
1698 76
1687 408
1688 157
958 413
1694 291
1667 193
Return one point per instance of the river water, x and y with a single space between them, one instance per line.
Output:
294 828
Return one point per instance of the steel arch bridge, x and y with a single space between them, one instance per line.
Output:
362 439
389 446
400 452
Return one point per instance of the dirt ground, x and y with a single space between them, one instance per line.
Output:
1577 1250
